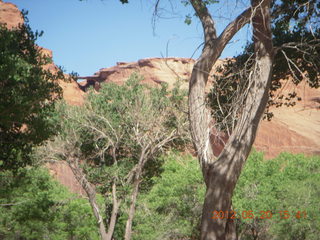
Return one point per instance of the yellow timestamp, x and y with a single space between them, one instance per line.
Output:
285 214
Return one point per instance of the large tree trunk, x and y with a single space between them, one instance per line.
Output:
221 174
199 115
91 194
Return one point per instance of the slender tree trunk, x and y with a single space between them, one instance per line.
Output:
137 173
91 194
222 174
114 214
132 209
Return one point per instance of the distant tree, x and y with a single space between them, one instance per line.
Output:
27 95
112 142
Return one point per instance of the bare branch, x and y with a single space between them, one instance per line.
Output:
206 20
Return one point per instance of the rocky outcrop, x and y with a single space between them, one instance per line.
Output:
153 70
72 93
11 17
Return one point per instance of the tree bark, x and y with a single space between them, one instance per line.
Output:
136 183
221 174
114 214
199 116
91 194
132 209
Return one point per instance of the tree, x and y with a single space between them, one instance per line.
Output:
296 40
113 141
27 95
281 194
221 174
273 199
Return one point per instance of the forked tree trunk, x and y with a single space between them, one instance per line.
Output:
91 194
221 174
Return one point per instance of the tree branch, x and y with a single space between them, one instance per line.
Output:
234 26
206 20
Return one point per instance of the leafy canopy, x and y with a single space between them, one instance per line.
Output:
27 95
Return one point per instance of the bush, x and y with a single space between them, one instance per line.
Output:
172 209
289 187
34 206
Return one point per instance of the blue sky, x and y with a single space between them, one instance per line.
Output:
92 34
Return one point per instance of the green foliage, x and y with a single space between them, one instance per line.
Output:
27 94
33 206
172 208
124 112
116 124
286 183
188 19
135 118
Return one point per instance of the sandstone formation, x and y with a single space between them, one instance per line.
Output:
11 17
72 93
293 129
153 70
